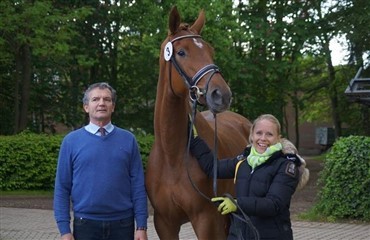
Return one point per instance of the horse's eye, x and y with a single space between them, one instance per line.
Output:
181 53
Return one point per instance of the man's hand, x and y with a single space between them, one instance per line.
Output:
141 235
67 236
226 205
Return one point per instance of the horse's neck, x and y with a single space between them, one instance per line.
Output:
170 121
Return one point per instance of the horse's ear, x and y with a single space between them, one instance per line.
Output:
174 20
199 23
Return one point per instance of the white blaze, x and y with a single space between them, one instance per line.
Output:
199 44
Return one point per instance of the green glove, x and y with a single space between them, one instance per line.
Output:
226 205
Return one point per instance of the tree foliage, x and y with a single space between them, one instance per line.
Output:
271 52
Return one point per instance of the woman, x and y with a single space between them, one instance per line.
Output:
265 180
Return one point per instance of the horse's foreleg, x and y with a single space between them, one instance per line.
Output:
166 230
210 227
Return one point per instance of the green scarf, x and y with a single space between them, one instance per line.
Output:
255 159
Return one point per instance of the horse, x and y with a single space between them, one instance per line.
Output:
172 172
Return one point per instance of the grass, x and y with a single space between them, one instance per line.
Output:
320 157
312 216
32 193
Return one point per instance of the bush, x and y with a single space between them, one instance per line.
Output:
145 145
345 180
28 161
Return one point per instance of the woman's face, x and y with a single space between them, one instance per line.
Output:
265 134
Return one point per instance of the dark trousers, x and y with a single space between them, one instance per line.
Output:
86 229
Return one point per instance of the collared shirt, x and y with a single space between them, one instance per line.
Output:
94 129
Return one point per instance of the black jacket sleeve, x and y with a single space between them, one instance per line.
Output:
204 155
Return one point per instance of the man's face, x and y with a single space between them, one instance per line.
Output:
100 106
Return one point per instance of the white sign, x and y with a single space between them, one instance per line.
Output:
168 50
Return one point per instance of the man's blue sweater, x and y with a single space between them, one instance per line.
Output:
102 176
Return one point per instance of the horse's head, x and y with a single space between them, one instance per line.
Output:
190 65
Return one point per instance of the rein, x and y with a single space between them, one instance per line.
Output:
215 161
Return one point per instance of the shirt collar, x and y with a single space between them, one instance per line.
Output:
93 128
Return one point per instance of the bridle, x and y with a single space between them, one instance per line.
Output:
190 82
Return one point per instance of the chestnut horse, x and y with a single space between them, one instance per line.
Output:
175 201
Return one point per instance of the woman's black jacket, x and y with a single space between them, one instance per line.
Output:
264 194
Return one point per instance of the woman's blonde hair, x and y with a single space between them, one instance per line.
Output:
268 117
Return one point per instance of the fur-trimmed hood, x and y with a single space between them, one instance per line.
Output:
288 147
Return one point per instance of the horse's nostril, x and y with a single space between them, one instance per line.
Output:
220 99
216 97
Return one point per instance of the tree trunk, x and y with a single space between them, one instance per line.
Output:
365 110
25 86
333 94
296 120
22 89
17 77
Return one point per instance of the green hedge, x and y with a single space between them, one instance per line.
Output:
345 180
145 144
28 161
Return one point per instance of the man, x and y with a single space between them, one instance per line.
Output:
100 172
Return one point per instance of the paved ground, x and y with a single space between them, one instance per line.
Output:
36 224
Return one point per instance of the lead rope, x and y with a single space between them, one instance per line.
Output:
244 218
215 161
188 151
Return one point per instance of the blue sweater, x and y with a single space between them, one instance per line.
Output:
103 178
